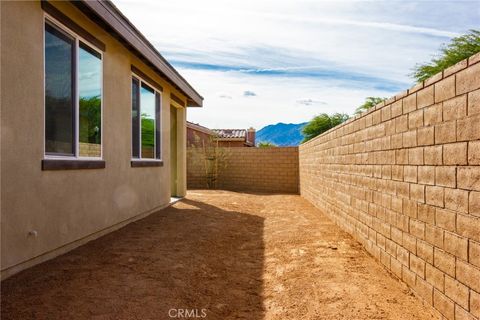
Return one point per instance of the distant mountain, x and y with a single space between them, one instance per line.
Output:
281 134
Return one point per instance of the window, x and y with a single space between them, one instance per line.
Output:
145 121
89 102
73 95
59 92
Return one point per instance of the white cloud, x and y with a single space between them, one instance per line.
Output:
224 96
277 103
309 102
341 51
249 93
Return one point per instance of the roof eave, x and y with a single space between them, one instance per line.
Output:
109 17
196 127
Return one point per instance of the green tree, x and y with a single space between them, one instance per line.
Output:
370 102
148 131
265 144
322 123
457 50
90 119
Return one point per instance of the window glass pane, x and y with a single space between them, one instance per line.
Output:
157 126
147 108
59 93
90 101
135 118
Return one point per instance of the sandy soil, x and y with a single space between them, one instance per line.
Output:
235 255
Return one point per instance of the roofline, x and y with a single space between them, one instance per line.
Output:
198 127
229 139
110 18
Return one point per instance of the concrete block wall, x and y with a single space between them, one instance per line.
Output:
90 149
250 169
404 180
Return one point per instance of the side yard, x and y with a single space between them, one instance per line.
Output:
236 255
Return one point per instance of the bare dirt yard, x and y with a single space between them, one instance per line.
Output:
218 254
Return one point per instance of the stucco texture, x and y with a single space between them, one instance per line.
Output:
70 205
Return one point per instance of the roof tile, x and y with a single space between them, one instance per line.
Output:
230 133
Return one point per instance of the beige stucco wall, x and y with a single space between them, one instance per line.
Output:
182 159
69 207
404 180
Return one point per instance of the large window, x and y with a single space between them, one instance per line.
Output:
145 121
73 95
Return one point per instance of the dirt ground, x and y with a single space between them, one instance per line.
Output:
218 254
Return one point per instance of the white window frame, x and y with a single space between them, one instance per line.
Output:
155 91
49 19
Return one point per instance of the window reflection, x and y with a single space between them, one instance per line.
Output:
89 91
59 99
135 118
147 100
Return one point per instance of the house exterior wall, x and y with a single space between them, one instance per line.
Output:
248 169
404 180
69 207
192 139
181 189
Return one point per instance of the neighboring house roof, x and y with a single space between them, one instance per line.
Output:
109 17
197 127
224 134
230 133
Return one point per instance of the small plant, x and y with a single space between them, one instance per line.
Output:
369 103
266 144
213 158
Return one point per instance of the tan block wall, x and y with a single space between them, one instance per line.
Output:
89 149
404 180
250 169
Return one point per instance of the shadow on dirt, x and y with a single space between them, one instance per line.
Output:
193 256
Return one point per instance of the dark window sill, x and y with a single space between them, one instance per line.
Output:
146 163
57 164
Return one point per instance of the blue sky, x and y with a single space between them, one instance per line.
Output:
261 62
